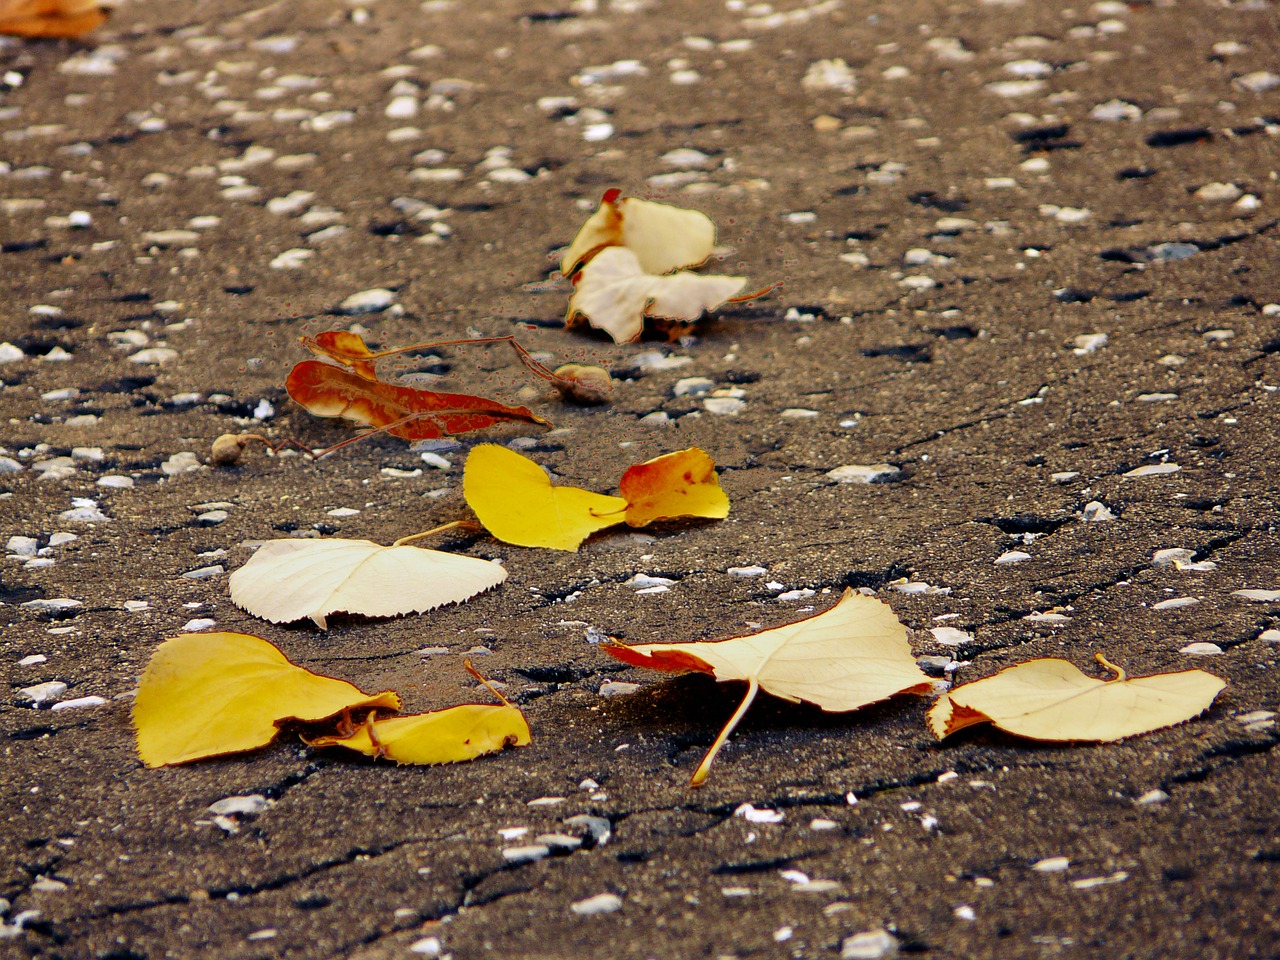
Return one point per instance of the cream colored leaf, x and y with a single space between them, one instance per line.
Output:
209 694
663 237
289 580
615 294
853 655
1053 700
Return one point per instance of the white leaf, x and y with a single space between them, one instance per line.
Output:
290 580
615 294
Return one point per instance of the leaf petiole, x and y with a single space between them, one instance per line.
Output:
704 768
456 524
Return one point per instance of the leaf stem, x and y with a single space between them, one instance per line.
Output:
434 530
704 768
488 683
1119 671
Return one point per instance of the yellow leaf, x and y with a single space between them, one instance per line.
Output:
853 655
208 694
514 499
442 736
663 237
289 580
615 293
680 484
1053 700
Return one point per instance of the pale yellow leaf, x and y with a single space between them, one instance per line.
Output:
852 655
442 736
1053 700
663 237
289 580
208 694
615 294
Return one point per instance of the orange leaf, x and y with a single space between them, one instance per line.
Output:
349 349
329 391
50 18
680 484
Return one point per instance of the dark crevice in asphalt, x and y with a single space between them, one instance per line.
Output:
1218 758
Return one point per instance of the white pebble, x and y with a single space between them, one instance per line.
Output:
195 626
1258 596
600 903
1051 865
53 605
154 355
1175 603
801 594
1218 192
746 571
869 945
22 546
78 703
9 353
1087 343
693 386
205 573
753 815
1152 797
951 636
1012 556
45 692
832 74
860 473
427 947
617 688
1097 512
1201 649
293 259
724 406
1153 470
526 854
249 805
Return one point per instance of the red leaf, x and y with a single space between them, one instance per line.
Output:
50 18
349 349
329 391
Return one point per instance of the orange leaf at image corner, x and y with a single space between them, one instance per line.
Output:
50 19
404 412
680 484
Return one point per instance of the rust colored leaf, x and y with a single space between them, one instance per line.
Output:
49 19
680 484
405 412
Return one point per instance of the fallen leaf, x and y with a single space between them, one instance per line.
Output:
442 736
852 655
1049 699
209 694
289 580
50 18
405 412
680 484
615 294
515 500
663 237
347 348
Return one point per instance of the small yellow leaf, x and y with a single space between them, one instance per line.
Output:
680 484
442 736
852 655
209 694
289 580
615 293
513 497
663 237
1053 700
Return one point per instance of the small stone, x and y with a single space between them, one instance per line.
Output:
78 703
1151 798
155 355
1096 512
559 842
41 693
249 805
212 518
951 636
1201 649
859 473
1175 603
1115 110
55 606
724 406
693 387
526 854
294 259
790 595
367 301
1087 343
617 688
10 354
1051 865
746 571
84 510
758 815
427 947
179 463
600 903
599 828
22 546
1257 596
1012 556
833 74
869 945
1218 192
205 573
1153 470
195 626
47 885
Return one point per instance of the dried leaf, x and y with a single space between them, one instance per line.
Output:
50 18
442 736
515 500
345 347
663 237
680 484
853 655
209 694
329 391
289 580
1053 700
615 294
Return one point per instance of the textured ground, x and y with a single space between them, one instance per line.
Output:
955 218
